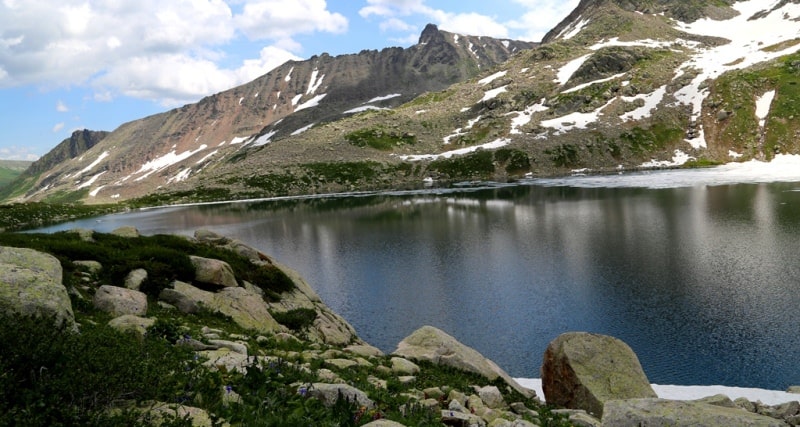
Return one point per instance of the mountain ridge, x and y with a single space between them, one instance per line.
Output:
297 93
618 85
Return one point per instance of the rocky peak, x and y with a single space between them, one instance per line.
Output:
430 35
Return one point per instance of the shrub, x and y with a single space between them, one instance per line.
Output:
298 319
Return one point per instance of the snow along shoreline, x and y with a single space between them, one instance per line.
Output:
692 392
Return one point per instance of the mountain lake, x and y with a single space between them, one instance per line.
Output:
698 272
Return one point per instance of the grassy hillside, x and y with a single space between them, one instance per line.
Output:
10 169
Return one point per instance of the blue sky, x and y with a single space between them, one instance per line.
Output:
96 64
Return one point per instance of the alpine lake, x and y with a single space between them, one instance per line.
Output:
701 279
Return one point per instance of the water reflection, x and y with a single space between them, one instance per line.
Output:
700 281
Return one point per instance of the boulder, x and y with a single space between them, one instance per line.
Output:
182 298
329 393
247 309
120 301
213 272
130 323
584 371
383 423
135 278
92 267
30 284
673 413
404 366
431 344
126 231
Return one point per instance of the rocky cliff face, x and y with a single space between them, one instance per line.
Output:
160 150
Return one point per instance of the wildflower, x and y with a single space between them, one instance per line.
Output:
228 388
303 391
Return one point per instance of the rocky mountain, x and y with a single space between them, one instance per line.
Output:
618 85
159 150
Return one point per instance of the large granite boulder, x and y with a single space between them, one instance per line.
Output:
244 307
584 371
432 344
120 301
213 271
675 413
31 285
328 327
328 394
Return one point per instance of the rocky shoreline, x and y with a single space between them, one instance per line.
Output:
588 380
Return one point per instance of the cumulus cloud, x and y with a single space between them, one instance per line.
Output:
540 17
170 52
58 127
17 153
61 107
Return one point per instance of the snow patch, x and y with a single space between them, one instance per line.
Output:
239 140
241 100
491 94
565 72
498 143
573 29
90 181
678 159
585 85
265 139
206 157
460 131
296 99
524 117
486 80
763 104
100 158
181 176
383 98
165 161
313 83
693 392
288 75
303 129
363 108
651 101
313 102
575 120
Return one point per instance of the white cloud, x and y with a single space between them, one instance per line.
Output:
61 107
170 52
58 127
541 17
473 24
394 24
17 153
278 19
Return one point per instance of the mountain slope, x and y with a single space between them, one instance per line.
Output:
10 169
160 150
614 88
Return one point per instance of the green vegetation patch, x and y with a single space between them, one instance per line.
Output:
380 139
659 135
164 257
564 155
19 216
514 161
342 172
479 164
297 320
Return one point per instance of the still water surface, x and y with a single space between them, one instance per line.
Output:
702 281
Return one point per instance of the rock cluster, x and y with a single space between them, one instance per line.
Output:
596 379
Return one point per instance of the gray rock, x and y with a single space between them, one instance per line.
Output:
329 393
135 278
93 267
404 366
674 413
364 350
30 284
584 371
491 397
383 423
793 389
126 231
180 300
213 271
120 301
131 323
784 411
718 400
341 363
247 309
431 344
230 345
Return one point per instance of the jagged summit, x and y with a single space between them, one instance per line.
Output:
430 34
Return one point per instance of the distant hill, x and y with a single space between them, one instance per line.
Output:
10 169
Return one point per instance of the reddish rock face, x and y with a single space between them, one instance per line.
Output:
583 371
